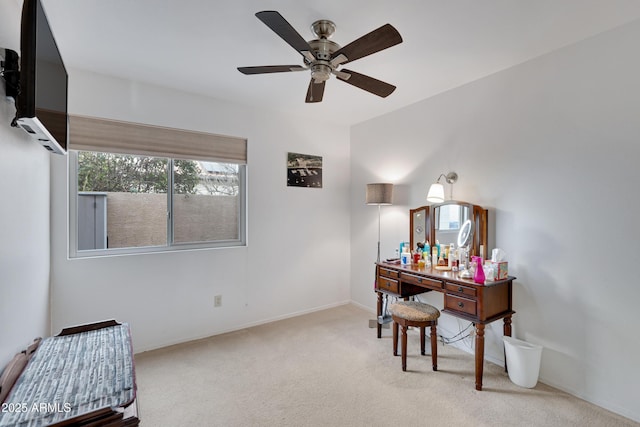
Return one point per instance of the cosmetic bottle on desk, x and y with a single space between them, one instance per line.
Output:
478 276
405 257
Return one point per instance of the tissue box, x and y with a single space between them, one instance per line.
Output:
500 270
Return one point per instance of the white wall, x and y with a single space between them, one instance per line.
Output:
24 220
551 147
24 237
297 259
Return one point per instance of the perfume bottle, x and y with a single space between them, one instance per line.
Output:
478 276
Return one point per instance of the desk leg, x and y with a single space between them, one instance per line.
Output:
379 310
507 333
507 326
479 355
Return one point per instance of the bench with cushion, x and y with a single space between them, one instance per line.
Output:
83 376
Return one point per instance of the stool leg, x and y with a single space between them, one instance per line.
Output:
422 339
434 347
404 348
395 338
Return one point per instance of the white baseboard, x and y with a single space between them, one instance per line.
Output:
242 326
364 307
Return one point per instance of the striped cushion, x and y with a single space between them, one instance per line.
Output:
414 311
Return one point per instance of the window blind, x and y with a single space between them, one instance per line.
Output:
105 135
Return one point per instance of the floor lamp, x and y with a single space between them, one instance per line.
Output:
379 194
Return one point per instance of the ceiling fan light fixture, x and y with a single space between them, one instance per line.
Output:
320 72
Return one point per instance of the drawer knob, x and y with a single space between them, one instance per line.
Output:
420 280
459 288
460 304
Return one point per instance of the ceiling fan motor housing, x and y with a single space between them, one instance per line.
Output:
322 50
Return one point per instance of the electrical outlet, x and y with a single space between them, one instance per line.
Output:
217 301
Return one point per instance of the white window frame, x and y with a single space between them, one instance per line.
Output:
72 168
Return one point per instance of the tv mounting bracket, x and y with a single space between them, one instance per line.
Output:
10 72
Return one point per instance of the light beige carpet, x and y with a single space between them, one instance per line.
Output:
328 369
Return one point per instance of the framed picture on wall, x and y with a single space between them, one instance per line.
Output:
304 170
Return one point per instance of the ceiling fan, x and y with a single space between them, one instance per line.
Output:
323 57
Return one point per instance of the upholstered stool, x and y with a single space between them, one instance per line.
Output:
417 314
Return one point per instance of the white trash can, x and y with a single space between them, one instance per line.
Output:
523 361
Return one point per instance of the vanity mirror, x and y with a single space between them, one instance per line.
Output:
442 222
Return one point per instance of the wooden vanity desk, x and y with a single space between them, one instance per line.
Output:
463 298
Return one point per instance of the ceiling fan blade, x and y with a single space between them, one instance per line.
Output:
375 41
374 86
271 69
315 91
281 27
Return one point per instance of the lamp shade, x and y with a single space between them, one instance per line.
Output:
436 193
379 194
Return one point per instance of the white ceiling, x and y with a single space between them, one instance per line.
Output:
196 45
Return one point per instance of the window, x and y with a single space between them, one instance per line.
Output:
131 203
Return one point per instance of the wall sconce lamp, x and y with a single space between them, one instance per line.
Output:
436 191
379 194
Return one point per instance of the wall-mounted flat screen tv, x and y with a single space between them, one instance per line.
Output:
41 105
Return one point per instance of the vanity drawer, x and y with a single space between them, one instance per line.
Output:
460 304
392 274
421 281
386 284
467 291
